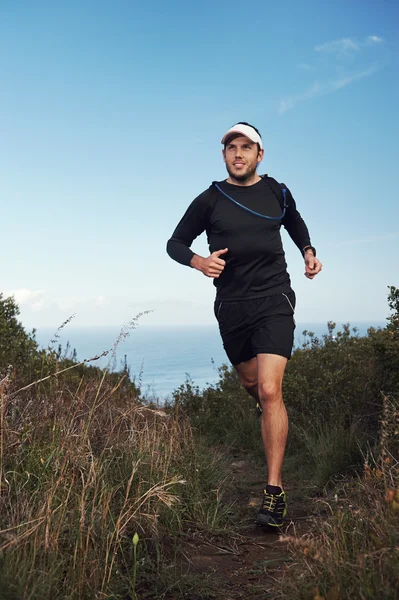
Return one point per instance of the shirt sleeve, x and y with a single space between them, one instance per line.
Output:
294 223
193 223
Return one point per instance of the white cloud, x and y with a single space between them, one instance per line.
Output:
321 89
23 296
346 47
69 303
40 301
375 39
288 103
340 47
344 81
337 55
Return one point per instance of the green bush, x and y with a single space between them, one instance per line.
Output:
18 348
24 362
333 389
222 414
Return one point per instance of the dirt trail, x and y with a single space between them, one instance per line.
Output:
249 563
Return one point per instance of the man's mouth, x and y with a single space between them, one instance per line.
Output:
238 164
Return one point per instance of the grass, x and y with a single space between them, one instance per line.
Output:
82 471
352 552
330 451
86 466
343 453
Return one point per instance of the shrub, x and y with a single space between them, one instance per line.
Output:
222 414
17 347
333 392
352 551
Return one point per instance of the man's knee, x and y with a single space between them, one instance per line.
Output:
269 391
249 384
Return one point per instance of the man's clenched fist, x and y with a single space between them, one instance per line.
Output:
212 266
312 265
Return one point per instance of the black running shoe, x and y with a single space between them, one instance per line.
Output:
273 509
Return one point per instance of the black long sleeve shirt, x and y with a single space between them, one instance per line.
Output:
255 261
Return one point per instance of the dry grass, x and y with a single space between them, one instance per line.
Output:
352 549
83 467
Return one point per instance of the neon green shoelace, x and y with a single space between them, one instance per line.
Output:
269 501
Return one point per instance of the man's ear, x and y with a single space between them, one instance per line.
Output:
260 155
224 154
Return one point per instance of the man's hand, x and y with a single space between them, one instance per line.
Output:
312 265
212 266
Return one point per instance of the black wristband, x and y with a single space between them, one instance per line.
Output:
309 248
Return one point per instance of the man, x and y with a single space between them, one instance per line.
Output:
254 304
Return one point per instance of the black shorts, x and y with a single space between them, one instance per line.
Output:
259 326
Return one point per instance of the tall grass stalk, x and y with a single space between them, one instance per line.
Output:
84 467
135 541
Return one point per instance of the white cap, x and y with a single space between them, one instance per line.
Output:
245 130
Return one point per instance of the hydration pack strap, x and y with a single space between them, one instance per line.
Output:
265 178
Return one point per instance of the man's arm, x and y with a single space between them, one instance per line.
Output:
193 223
299 234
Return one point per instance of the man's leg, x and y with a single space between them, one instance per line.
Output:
274 415
262 378
248 373
266 327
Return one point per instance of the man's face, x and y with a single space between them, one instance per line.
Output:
241 156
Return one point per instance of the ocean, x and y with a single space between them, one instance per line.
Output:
162 357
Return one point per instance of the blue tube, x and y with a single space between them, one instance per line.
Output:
252 211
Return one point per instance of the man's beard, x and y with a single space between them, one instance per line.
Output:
245 176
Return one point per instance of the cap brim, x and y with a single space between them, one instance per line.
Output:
244 130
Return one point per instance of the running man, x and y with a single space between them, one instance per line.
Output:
255 303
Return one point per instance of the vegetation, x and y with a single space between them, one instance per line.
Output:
342 395
352 548
99 490
96 489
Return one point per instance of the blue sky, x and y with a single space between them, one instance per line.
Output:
111 116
